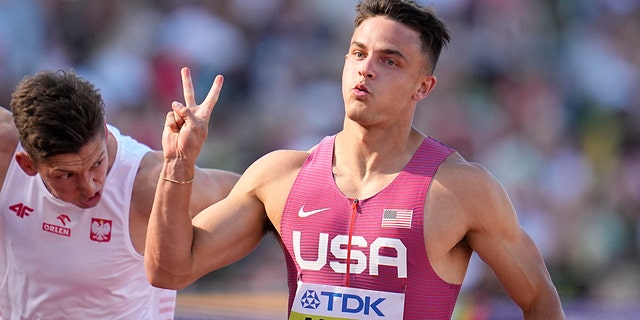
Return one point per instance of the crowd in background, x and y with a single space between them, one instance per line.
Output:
545 94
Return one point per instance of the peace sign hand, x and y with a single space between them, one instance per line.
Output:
186 127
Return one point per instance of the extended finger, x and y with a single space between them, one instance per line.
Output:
187 87
212 97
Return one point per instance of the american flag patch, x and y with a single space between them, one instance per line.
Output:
397 218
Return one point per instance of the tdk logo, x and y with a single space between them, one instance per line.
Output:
343 302
310 300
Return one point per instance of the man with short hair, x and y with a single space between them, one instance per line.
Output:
75 199
377 221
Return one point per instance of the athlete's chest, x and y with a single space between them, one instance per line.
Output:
48 239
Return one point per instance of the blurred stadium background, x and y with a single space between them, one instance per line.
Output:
544 93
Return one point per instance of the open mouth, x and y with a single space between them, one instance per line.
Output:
92 201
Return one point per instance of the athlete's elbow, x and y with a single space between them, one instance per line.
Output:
164 284
546 305
161 278
165 280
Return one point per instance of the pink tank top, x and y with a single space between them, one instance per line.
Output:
385 233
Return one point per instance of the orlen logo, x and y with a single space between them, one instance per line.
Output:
338 250
342 302
59 230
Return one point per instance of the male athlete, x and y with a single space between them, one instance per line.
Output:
75 199
377 221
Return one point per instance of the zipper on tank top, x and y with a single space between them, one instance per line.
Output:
354 211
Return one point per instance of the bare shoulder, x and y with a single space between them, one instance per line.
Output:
464 177
8 141
480 198
8 132
270 178
274 171
5 115
278 162
486 206
149 172
456 195
145 183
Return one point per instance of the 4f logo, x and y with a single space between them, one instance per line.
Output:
21 210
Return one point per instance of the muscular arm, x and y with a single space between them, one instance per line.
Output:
179 250
209 186
494 233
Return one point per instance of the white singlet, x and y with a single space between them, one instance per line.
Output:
63 262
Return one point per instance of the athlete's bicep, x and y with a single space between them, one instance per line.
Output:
230 229
227 231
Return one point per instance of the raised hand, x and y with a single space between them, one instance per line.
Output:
186 126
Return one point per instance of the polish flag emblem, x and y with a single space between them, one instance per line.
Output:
100 230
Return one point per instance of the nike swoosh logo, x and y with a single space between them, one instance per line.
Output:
304 214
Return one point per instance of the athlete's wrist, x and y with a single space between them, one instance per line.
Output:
178 171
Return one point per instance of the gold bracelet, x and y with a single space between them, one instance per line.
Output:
177 181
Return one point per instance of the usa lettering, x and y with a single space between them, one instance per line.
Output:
351 303
338 249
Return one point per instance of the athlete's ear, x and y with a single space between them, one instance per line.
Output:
25 163
426 85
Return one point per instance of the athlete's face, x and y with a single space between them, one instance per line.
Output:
385 72
77 178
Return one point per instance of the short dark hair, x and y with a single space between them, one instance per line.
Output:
433 33
56 113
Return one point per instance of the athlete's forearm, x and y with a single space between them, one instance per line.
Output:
170 232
